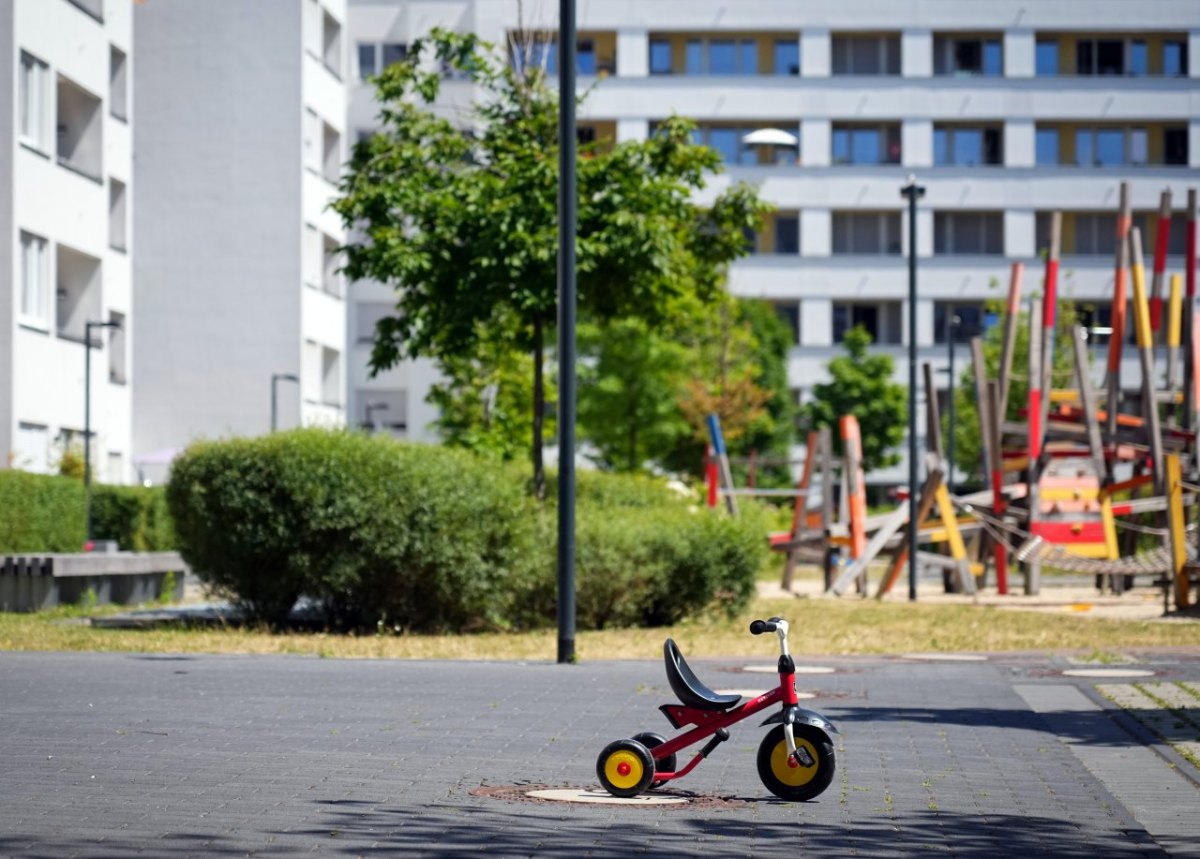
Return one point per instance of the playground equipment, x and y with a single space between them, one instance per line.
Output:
1074 474
796 759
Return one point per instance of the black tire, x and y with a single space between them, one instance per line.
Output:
651 740
625 768
796 783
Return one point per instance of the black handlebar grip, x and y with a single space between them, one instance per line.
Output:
758 627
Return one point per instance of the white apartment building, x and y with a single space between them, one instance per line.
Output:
240 142
1005 111
65 205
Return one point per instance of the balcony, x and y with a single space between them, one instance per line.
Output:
1089 145
80 130
725 54
77 295
595 53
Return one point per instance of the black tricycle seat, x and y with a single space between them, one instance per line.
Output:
687 686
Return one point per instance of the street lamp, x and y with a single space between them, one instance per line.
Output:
912 192
372 407
87 423
276 378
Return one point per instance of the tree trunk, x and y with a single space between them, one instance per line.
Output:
539 410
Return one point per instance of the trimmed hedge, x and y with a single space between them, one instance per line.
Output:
378 532
135 516
432 539
41 513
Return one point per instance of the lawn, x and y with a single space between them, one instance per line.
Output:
819 627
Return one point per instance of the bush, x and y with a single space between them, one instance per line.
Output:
135 516
639 567
41 513
424 537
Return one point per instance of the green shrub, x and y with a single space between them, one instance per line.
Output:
424 537
135 516
40 513
654 567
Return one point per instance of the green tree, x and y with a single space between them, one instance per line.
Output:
460 216
861 385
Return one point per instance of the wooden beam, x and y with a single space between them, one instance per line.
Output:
1145 343
1012 314
1124 221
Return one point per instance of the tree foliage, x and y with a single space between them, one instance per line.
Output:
460 215
861 385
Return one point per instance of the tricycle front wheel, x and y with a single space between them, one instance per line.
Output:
788 779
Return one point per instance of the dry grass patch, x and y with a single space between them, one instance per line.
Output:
819 627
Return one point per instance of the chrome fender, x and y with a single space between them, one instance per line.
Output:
798 715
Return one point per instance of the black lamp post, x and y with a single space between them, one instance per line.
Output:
912 192
276 378
372 407
87 423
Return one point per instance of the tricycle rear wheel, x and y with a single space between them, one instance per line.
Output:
788 779
625 768
651 740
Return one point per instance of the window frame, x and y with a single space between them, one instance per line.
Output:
30 69
35 306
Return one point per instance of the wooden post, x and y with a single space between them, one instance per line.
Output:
999 503
933 421
1145 342
711 480
800 510
1174 328
718 443
1161 239
1087 402
928 495
1050 314
1012 313
856 490
1190 401
1033 567
1177 522
979 369
1124 221
825 440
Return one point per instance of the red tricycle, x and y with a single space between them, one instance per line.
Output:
795 760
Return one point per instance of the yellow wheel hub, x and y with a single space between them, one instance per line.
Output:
789 772
624 769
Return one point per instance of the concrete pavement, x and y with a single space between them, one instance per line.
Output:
123 754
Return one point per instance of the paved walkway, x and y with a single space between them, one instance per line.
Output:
117 755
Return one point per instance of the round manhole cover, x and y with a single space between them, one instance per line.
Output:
592 795
1107 672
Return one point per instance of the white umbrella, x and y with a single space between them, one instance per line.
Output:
770 137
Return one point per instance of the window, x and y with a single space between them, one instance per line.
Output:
728 142
310 371
77 292
1099 57
33 448
118 84
968 233
312 262
331 380
95 8
367 65
80 124
35 281
1139 62
967 57
34 100
1046 146
1175 146
790 314
854 144
117 217
331 45
1046 58
721 57
1094 232
541 52
391 53
866 233
866 55
386 408
312 137
880 319
787 234
660 57
961 320
1175 58
117 359
367 315
966 147
1111 147
787 57
585 57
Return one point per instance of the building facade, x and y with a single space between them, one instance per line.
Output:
1004 111
239 147
66 189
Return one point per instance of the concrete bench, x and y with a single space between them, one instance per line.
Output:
32 582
